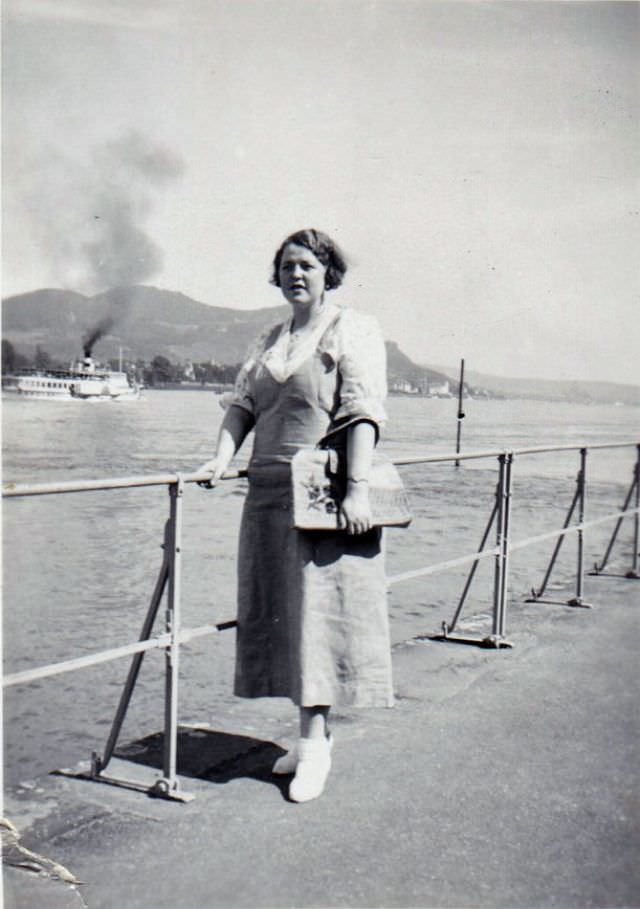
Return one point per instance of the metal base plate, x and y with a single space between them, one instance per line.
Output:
160 789
491 642
579 603
573 602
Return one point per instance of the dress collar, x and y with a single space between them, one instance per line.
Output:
283 358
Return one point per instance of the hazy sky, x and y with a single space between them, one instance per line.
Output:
478 162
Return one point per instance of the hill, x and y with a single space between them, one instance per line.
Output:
578 392
146 321
401 369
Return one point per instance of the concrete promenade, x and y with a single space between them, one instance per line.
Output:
500 779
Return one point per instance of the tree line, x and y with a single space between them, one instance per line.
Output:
159 371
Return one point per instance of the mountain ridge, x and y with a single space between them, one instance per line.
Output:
576 390
147 321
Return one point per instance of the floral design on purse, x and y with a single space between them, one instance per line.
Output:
319 484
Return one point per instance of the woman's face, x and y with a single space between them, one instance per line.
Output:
301 276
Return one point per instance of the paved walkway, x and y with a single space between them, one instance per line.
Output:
500 779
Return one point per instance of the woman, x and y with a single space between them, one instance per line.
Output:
312 613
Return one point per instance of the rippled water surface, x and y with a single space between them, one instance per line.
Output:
79 569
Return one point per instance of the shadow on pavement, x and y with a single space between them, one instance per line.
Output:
208 754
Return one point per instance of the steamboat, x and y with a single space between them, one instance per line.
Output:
84 380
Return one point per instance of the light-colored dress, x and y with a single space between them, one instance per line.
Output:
312 607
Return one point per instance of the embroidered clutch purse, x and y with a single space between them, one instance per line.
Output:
319 485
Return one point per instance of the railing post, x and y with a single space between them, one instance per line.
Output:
168 786
502 615
633 573
497 570
582 482
503 503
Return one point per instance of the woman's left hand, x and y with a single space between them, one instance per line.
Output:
355 512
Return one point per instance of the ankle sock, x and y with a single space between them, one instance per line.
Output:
288 762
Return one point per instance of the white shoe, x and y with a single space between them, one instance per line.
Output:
314 764
288 762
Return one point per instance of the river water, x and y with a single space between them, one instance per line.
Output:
79 569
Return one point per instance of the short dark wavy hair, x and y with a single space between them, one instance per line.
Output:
323 248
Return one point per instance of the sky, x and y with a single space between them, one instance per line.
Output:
477 162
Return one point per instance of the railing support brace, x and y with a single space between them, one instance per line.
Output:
100 763
447 629
579 500
539 593
500 514
598 568
633 573
170 575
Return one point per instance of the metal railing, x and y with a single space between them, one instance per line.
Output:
169 580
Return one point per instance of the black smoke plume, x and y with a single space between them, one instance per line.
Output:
130 173
93 219
94 334
92 214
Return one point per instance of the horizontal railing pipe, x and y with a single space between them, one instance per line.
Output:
14 490
442 566
498 452
573 528
113 653
541 449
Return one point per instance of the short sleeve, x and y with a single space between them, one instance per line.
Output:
242 395
362 361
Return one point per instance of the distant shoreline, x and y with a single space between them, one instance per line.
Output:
222 389
216 388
